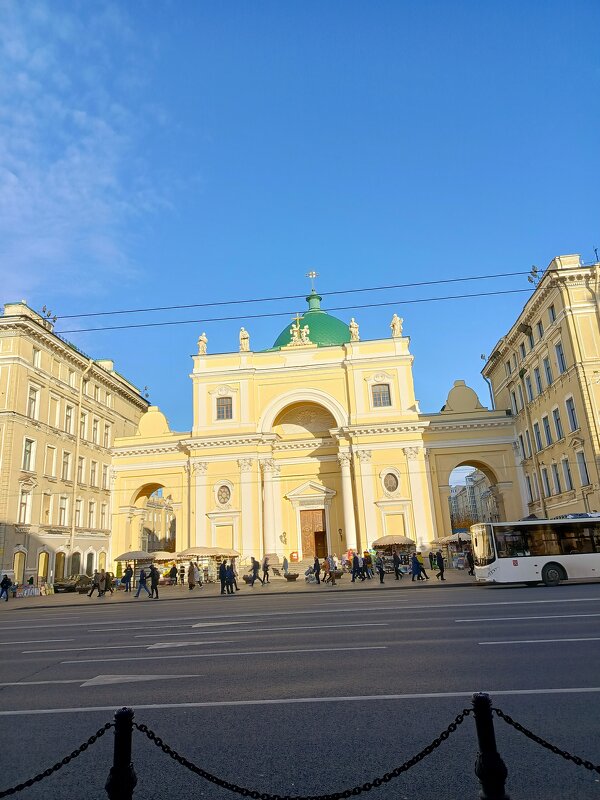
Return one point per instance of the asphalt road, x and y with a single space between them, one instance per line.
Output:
306 694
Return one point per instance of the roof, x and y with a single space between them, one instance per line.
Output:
325 330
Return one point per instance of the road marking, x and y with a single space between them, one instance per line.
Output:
283 628
545 641
102 680
103 647
40 641
304 700
512 619
220 655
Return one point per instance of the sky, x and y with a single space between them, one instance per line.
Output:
158 153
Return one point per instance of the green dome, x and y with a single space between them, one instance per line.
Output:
325 330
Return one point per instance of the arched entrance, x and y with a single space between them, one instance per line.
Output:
473 496
102 561
42 568
76 563
59 566
19 566
89 564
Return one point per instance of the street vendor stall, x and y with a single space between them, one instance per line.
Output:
401 544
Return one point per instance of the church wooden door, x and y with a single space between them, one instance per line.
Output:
314 538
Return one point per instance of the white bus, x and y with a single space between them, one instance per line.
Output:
530 551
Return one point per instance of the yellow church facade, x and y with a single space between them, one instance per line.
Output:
314 446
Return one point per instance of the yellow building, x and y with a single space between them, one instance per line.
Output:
59 414
546 370
314 446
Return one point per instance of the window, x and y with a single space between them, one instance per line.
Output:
552 313
545 482
508 368
33 402
528 443
522 350
548 371
78 504
83 425
50 462
528 388
537 436
557 424
381 395
106 439
37 357
520 397
522 446
224 408
46 515
556 479
24 507
66 466
560 358
513 402
570 404
583 471
93 473
536 487
69 419
390 481
80 470
109 399
105 476
567 474
531 340
103 516
529 492
72 379
547 431
86 387
223 494
62 511
92 514
53 411
540 330
96 392
28 455
538 380
95 430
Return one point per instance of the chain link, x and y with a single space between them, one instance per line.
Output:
59 764
365 787
580 762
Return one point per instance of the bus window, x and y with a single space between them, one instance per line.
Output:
483 545
578 540
512 543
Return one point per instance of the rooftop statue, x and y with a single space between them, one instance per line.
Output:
396 326
244 340
202 342
353 327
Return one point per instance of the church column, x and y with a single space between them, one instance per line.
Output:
248 522
348 501
366 480
420 500
444 495
198 535
268 468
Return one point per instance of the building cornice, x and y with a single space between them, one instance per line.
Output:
381 429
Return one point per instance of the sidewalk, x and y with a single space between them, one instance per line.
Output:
277 586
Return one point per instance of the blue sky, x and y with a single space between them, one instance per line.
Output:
158 153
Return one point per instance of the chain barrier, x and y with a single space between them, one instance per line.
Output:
365 787
60 764
580 762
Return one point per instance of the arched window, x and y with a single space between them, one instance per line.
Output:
76 563
89 564
42 570
59 566
102 561
19 566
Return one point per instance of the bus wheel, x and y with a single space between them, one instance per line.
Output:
552 574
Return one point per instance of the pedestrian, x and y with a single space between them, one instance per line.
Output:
471 562
265 569
101 583
368 564
154 578
223 576
234 573
355 567
421 561
439 558
415 568
255 570
285 565
95 584
173 575
5 585
127 576
182 574
197 578
326 571
431 560
229 578
332 568
191 576
380 568
108 582
143 577
396 561
317 570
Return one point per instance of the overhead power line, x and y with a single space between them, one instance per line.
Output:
291 313
291 296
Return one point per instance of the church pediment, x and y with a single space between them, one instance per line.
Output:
311 490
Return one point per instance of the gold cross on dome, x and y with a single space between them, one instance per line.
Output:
297 320
312 275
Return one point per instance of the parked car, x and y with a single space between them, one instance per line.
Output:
74 583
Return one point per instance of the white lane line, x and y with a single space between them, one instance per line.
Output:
512 619
220 655
546 641
260 630
42 683
305 700
40 641
104 647
101 680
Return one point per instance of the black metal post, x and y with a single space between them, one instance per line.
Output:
122 778
489 766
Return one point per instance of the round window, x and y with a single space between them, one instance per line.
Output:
390 482
223 494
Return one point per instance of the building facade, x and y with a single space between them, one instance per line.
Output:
60 412
546 371
316 445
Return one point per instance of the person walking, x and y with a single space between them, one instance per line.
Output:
285 565
396 561
368 564
95 584
421 561
431 560
5 585
197 576
355 567
415 568
142 584
331 561
182 574
326 575
127 576
471 562
317 570
101 583
191 576
173 575
380 568
234 572
439 559
265 569
223 575
255 570
108 583
154 578
229 578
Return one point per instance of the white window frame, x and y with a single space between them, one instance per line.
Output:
104 516
24 509
581 462
529 489
561 361
78 512
36 357
37 390
381 384
109 400
51 473
83 425
537 436
63 511
548 370
536 487
95 430
560 434
574 415
545 482
92 514
32 454
567 474
513 403
106 435
556 478
93 473
538 380
72 379
528 387
81 470
230 408
540 330
552 313
105 476
69 461
69 417
547 430
528 442
50 505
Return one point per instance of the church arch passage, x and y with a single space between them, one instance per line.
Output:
314 533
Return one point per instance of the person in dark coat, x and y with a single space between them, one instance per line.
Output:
173 575
431 560
5 585
229 578
142 584
127 576
95 584
415 568
356 568
265 569
255 571
154 578
396 560
380 568
439 560
223 576
317 570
